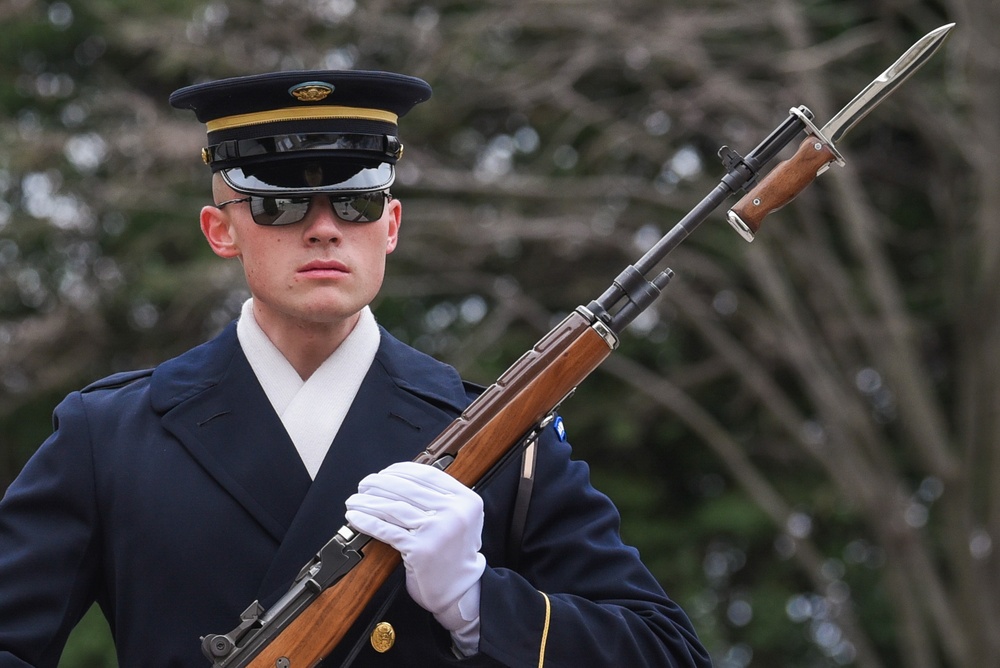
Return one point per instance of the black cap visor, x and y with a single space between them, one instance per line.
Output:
295 177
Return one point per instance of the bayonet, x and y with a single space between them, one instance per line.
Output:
819 150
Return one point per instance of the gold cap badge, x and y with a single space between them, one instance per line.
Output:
383 637
310 91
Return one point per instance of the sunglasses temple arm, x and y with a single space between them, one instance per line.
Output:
632 292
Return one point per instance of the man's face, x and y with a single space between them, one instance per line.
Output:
319 271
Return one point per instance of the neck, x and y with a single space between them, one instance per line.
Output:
306 345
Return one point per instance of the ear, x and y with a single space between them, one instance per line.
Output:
395 218
218 231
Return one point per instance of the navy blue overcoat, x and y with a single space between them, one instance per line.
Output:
174 498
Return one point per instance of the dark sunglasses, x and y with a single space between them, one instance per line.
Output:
362 208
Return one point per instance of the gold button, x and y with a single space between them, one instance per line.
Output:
383 637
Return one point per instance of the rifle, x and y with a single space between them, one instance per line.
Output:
330 592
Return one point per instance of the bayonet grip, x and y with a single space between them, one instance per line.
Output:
781 185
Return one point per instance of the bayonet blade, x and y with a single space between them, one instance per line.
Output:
884 85
819 150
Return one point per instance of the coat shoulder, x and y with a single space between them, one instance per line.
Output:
423 376
117 381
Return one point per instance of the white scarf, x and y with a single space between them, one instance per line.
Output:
311 410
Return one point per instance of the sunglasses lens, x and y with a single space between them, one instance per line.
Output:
360 209
288 210
278 210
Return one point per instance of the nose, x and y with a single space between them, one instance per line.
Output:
321 224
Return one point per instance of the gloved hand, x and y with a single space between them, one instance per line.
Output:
436 524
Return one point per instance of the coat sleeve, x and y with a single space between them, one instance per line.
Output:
49 544
579 596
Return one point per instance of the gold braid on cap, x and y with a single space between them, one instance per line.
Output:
300 113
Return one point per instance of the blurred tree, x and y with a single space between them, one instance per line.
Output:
799 434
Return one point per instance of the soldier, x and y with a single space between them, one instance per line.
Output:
174 497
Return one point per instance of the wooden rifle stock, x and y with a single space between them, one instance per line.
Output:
478 439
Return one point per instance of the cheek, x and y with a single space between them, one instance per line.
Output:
379 242
374 260
260 264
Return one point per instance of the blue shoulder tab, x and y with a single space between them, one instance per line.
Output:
560 428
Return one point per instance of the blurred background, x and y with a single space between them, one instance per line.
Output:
800 434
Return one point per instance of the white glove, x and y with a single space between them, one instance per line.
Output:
436 524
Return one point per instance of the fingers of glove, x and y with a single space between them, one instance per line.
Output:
423 486
433 520
399 511
376 527
449 504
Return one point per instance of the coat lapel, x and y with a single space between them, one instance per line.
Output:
212 402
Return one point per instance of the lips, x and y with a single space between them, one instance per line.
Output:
323 269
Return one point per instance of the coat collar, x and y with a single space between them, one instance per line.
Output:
203 367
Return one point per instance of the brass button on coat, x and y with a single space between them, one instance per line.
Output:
383 637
